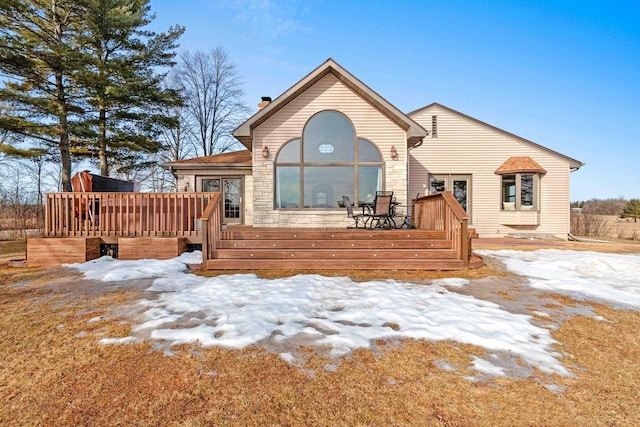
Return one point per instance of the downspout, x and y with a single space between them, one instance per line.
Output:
407 179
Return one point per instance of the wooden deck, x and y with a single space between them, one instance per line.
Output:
161 225
331 249
442 241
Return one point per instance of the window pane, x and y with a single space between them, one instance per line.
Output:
460 192
526 189
288 187
232 198
369 181
509 188
325 129
290 152
210 185
324 186
367 152
438 185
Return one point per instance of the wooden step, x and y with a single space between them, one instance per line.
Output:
333 249
335 244
334 264
336 234
355 255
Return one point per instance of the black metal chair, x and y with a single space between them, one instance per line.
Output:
350 214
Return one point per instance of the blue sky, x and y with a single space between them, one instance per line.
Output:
564 74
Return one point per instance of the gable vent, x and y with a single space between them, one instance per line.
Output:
434 126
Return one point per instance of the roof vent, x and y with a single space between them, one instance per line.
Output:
434 126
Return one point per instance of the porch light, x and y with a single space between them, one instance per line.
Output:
265 152
394 152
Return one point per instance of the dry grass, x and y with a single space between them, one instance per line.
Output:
365 275
12 249
53 372
610 246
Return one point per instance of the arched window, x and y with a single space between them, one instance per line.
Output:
327 162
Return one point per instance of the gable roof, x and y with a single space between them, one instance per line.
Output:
415 132
240 158
573 163
520 165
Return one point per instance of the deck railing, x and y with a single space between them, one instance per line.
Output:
211 227
125 214
443 212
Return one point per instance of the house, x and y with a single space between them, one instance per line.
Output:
326 137
331 135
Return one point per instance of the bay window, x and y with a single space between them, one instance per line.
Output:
519 191
520 179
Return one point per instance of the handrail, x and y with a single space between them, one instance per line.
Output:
443 212
124 214
211 221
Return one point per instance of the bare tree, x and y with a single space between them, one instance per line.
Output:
179 141
212 92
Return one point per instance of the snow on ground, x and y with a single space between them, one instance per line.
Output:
107 269
235 311
593 276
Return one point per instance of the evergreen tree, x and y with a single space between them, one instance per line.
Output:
632 210
38 61
122 82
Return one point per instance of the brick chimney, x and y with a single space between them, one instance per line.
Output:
266 100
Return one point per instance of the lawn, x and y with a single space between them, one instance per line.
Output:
54 371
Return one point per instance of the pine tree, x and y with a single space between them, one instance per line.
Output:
39 60
125 95
632 210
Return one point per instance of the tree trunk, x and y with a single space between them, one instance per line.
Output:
102 152
63 144
65 154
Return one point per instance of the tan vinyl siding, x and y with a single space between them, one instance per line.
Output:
327 94
464 146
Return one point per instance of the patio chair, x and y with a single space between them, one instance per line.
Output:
350 214
382 215
407 218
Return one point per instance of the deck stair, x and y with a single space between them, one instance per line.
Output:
289 248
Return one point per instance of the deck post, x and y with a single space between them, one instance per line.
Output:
465 246
205 239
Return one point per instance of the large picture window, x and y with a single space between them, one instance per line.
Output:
327 162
